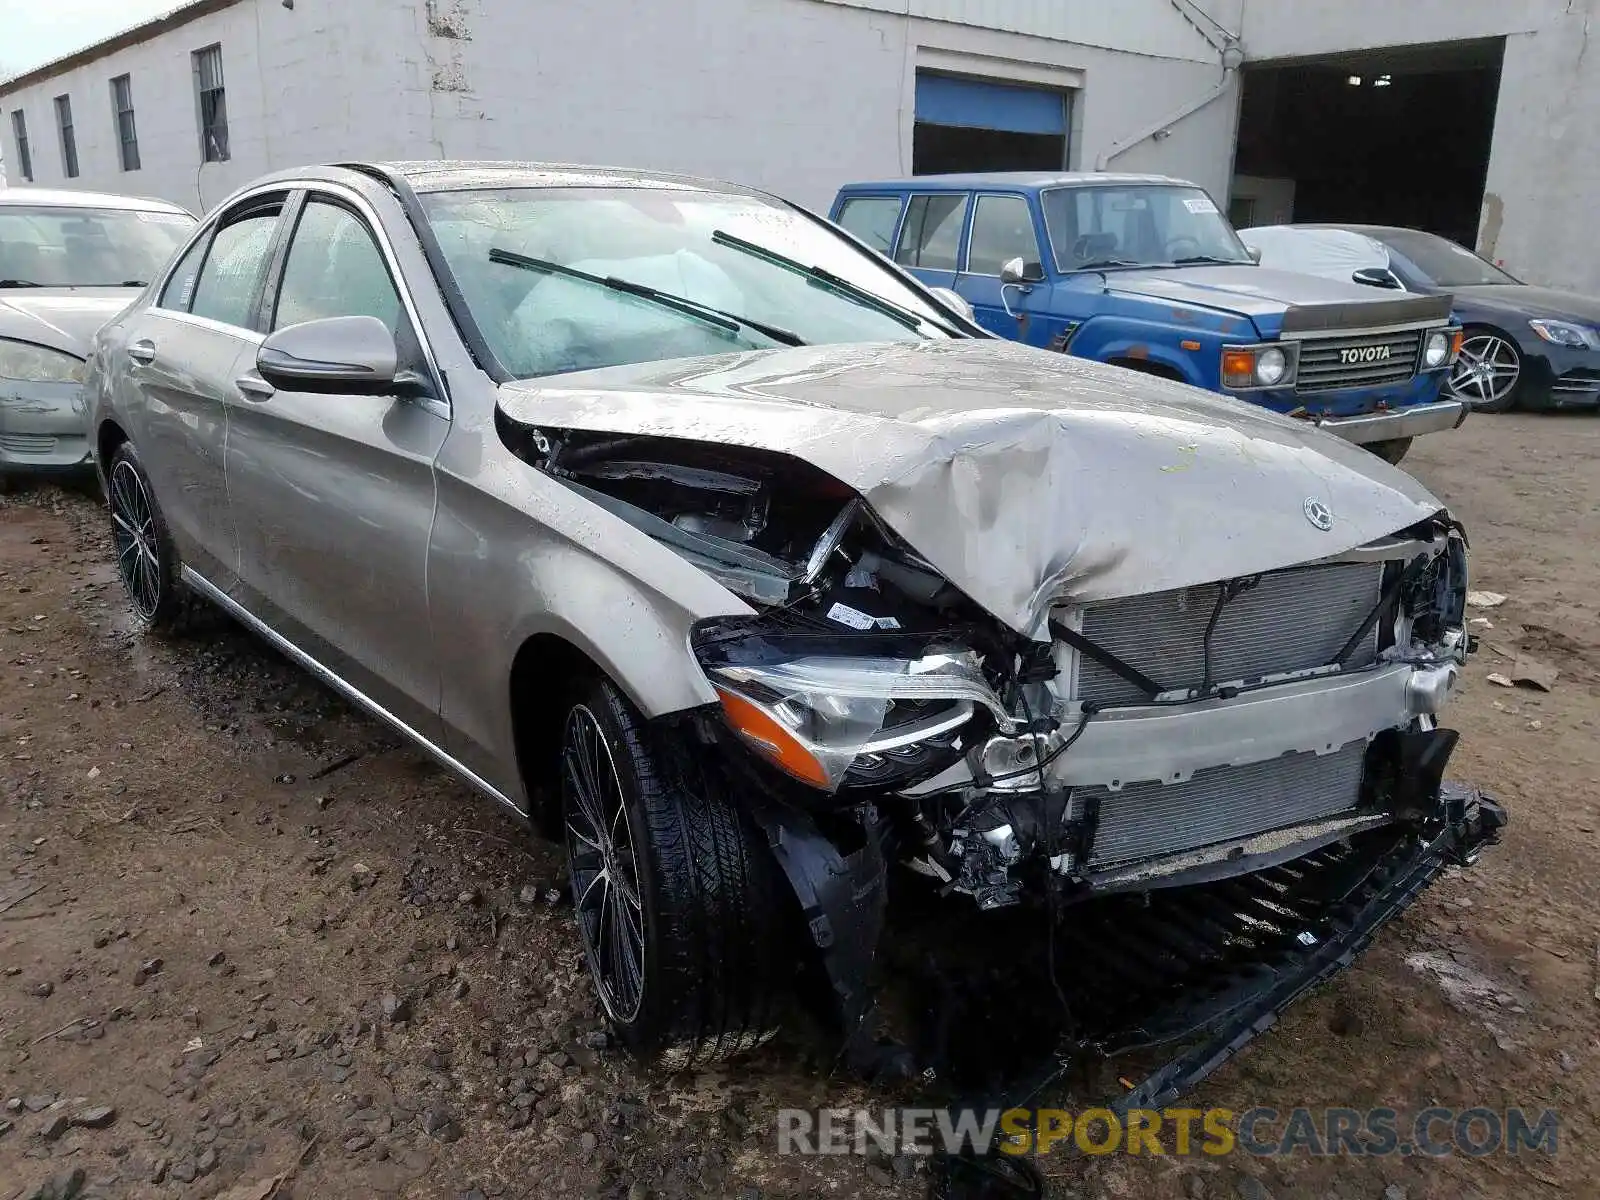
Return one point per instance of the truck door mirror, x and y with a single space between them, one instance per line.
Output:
1018 271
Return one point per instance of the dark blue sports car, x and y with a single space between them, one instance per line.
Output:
1526 346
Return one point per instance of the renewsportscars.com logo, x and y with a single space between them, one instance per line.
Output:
1260 1132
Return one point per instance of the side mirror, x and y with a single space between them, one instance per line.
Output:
1379 277
951 298
1017 271
1255 254
353 352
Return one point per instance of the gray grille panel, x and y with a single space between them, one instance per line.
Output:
1222 803
1290 621
1322 369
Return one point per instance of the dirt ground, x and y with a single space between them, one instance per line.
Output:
276 943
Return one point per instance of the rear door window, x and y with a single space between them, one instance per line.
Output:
872 219
931 235
179 291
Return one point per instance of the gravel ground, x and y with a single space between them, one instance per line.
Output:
251 946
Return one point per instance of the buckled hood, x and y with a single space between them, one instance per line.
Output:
1028 478
60 318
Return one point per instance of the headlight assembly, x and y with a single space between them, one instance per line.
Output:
1440 348
1567 333
832 720
1268 365
35 364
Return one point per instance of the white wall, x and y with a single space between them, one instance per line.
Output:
797 96
1544 164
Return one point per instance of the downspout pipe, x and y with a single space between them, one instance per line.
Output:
1230 70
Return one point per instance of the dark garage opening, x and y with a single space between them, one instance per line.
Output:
1388 137
978 125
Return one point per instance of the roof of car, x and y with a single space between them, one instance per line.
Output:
444 175
1017 179
1371 231
60 198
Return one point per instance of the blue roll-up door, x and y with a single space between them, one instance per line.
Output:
977 104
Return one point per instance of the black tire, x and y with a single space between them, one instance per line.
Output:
714 913
1391 451
146 558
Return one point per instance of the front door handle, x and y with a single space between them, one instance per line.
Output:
142 351
253 387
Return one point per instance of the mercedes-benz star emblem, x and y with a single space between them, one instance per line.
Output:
1319 514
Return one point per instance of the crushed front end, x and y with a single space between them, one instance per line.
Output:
1248 775
1249 771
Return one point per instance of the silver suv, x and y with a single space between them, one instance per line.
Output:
681 524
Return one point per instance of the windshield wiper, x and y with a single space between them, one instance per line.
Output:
1194 259
682 304
823 278
1099 263
19 283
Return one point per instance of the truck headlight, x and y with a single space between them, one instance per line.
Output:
1271 366
828 720
1264 366
1440 348
35 364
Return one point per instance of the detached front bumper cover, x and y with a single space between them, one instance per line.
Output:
1340 897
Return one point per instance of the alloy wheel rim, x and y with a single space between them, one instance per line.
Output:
603 865
1486 370
133 528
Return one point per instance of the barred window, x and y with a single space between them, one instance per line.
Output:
19 131
212 99
122 114
69 140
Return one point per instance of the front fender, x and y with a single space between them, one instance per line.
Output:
1112 339
514 554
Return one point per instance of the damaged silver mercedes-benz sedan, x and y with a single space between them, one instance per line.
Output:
675 520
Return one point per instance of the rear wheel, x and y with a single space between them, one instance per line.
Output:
680 904
147 561
1486 372
1391 451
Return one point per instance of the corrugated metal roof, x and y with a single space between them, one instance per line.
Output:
142 32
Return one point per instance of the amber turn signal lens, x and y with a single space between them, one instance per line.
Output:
1455 342
771 739
1239 364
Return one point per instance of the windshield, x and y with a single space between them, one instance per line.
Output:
568 279
86 247
1443 263
1137 225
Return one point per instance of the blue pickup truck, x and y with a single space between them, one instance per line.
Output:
1145 272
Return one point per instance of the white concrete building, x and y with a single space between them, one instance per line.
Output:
799 96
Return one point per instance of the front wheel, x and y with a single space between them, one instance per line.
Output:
147 560
680 903
1486 373
1391 451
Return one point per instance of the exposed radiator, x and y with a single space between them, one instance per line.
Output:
1290 621
1327 364
1221 803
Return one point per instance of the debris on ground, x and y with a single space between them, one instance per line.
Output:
1499 680
1534 673
1485 599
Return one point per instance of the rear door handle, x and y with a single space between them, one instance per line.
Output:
255 388
142 351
